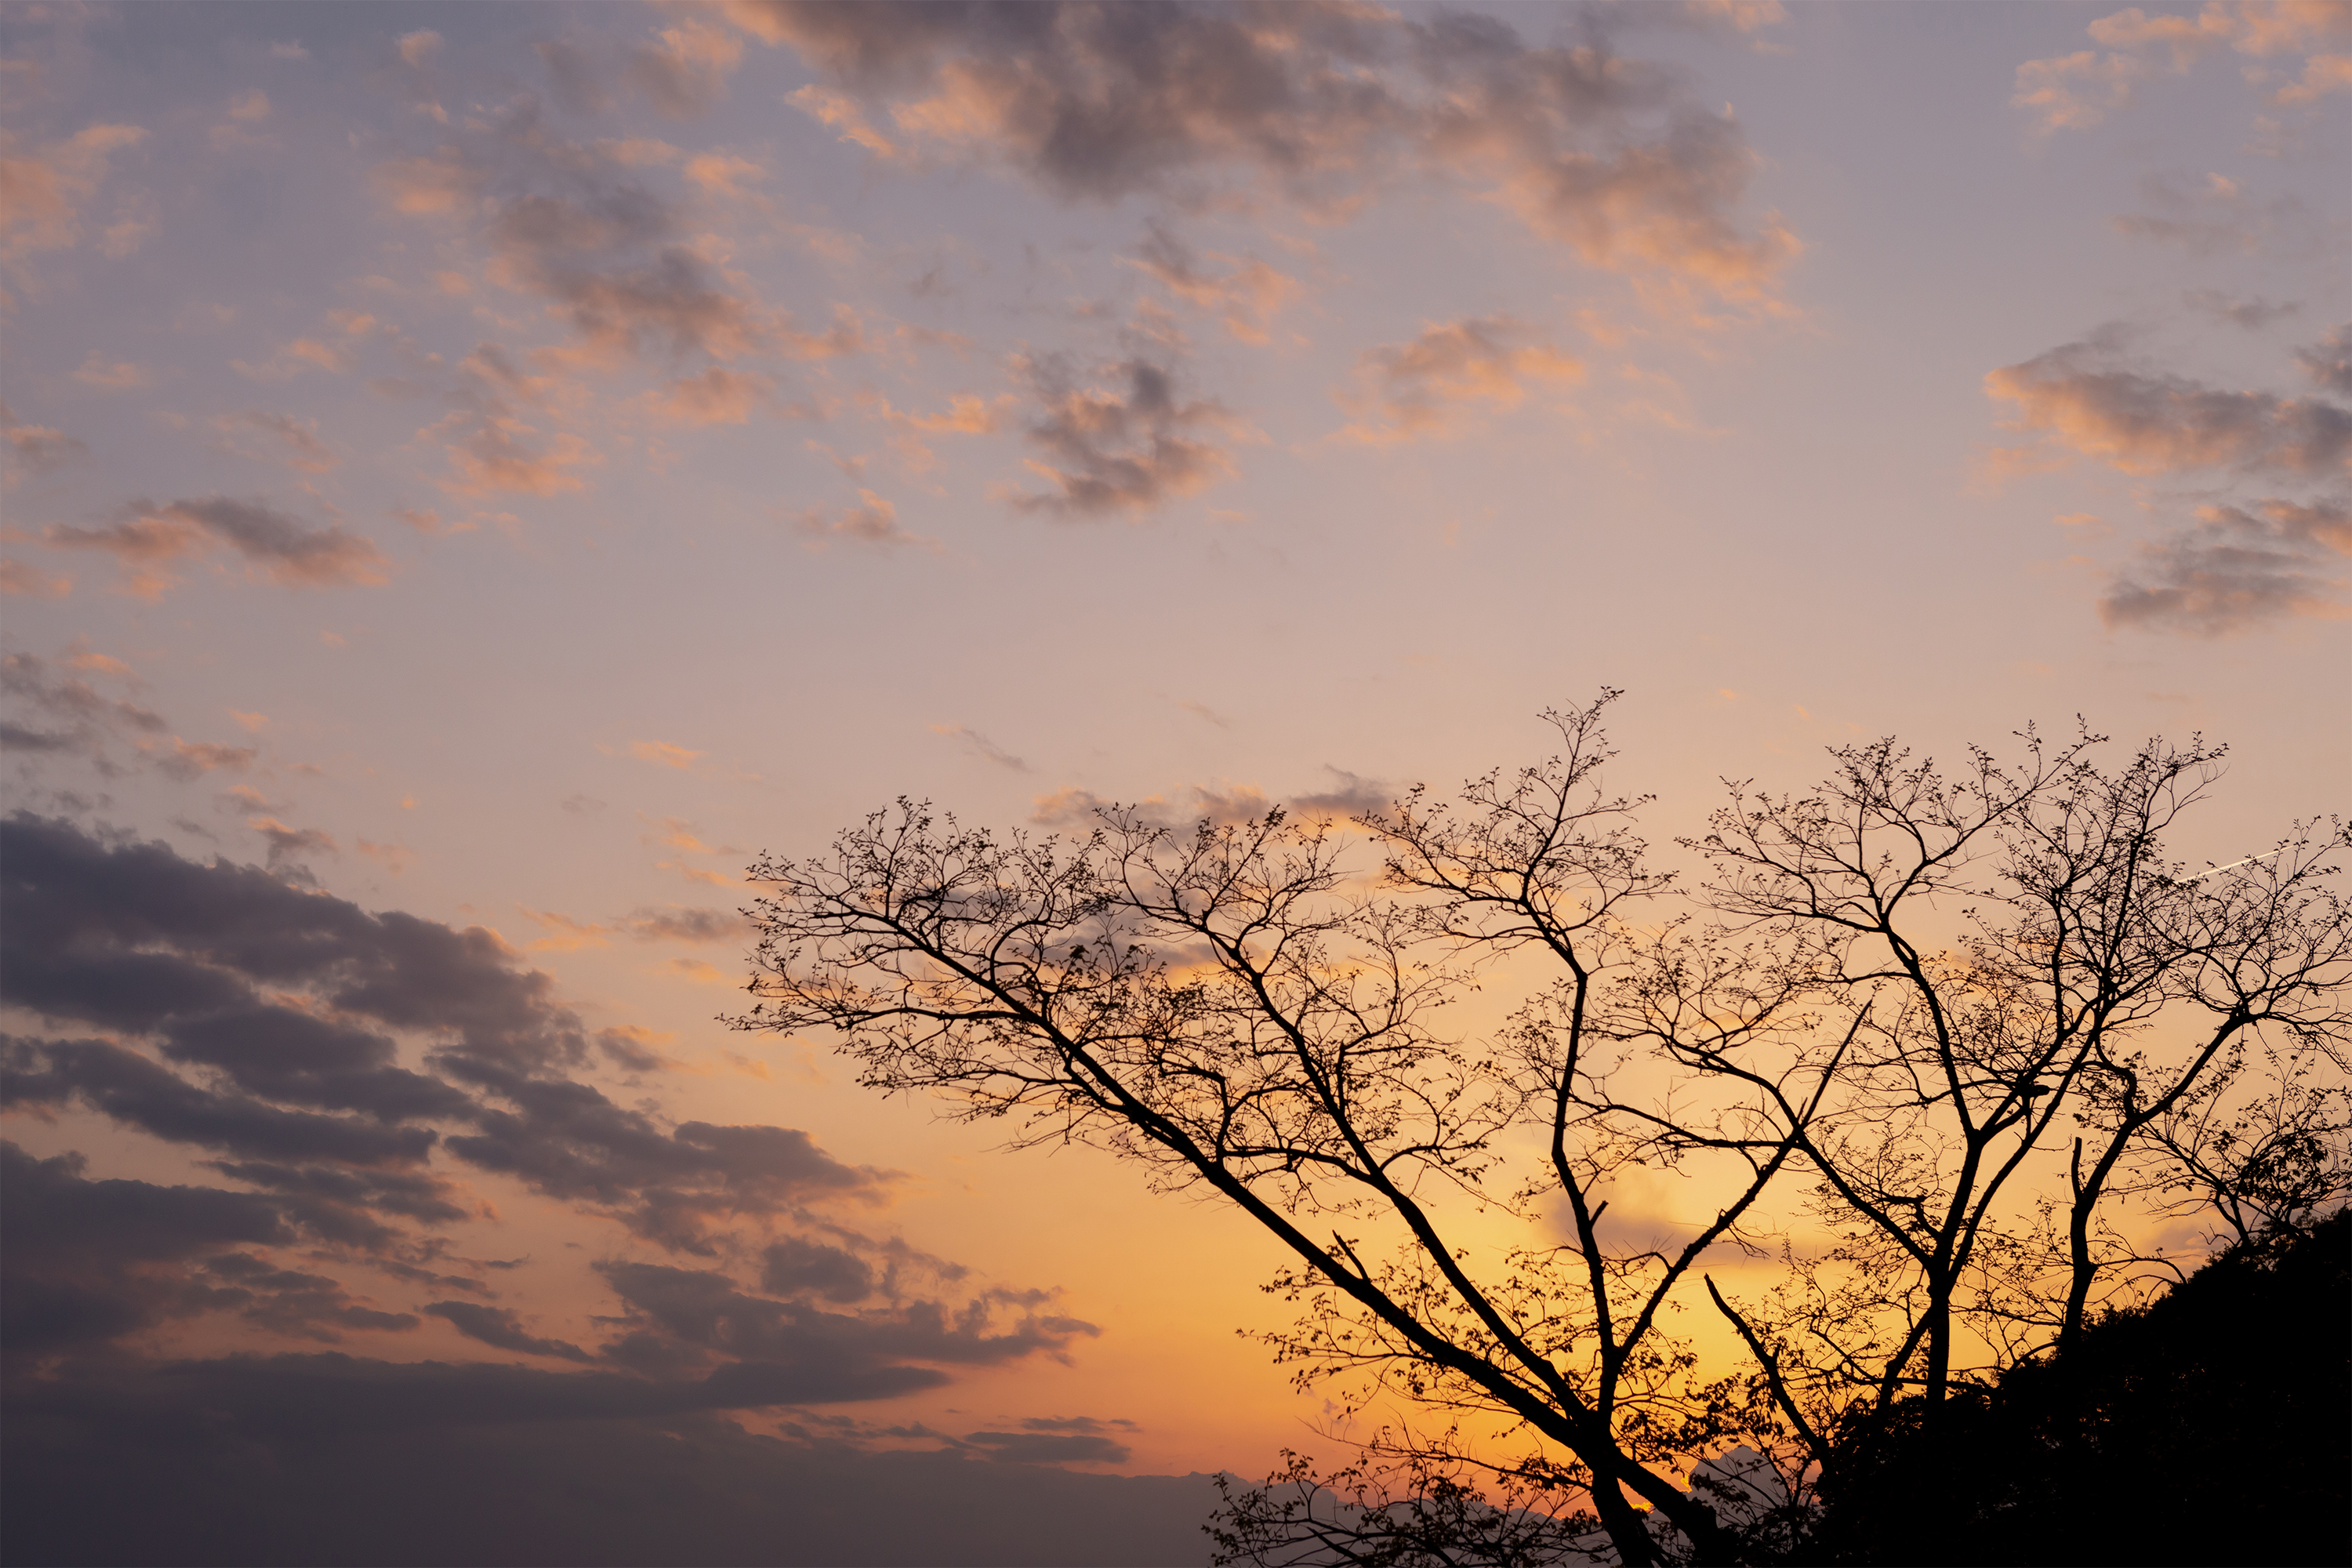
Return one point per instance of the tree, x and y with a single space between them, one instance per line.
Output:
1235 1009
2232 1388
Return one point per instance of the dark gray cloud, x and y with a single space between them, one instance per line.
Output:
797 1266
709 1311
1322 104
1050 1448
271 1028
79 1268
323 1460
501 1330
307 1097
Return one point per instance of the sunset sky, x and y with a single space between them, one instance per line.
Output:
479 475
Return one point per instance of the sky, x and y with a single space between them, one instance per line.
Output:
477 476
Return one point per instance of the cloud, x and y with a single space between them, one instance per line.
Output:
495 457
684 70
2237 569
2075 92
1051 1448
287 843
24 582
872 521
1319 104
296 443
2215 216
45 190
112 376
500 1329
2252 314
716 396
981 746
2085 399
1247 297
65 713
294 1000
1429 385
664 753
2329 361
674 924
578 226
1128 449
281 549
36 448
322 1457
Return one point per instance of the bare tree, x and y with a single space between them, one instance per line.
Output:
1964 961
1240 1011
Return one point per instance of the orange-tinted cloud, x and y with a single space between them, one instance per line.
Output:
36 448
1324 103
281 548
45 190
2238 568
1426 386
2075 92
1246 296
2086 399
716 396
872 521
664 753
1126 450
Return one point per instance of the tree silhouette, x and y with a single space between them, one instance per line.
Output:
1240 1012
2209 1427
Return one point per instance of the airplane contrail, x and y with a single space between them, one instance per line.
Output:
2234 865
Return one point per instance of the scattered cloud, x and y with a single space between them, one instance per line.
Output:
674 922
2329 361
30 583
1245 296
2215 216
2238 568
1118 449
667 755
2088 399
2252 314
2075 92
46 191
981 746
36 448
872 521
1429 385
112 376
1220 805
716 396
288 442
1321 105
280 548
